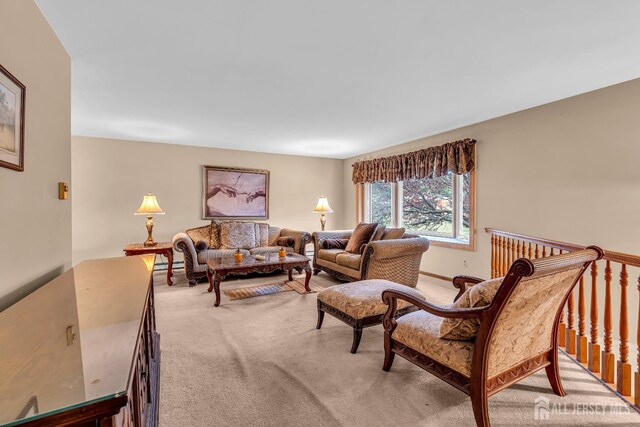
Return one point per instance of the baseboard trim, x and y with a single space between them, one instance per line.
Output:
436 276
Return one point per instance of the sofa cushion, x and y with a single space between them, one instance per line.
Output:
419 330
262 234
199 233
237 235
214 239
285 241
341 269
274 233
364 298
329 254
361 235
478 295
269 250
349 260
201 245
393 233
333 243
377 235
218 253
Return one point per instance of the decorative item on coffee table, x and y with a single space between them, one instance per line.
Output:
219 268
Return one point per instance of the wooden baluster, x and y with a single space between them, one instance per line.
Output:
493 256
624 367
508 253
563 329
608 359
594 346
537 251
581 350
637 374
499 259
504 257
544 251
530 251
519 250
514 254
571 332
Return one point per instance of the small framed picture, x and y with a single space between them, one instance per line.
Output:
232 193
12 101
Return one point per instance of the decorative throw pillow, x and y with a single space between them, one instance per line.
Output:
393 233
214 240
274 233
199 233
262 234
361 235
241 235
201 246
377 235
285 241
333 243
479 295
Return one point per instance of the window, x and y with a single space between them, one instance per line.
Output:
440 208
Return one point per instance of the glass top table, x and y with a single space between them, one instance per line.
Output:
71 342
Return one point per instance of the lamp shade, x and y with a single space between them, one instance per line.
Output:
149 206
323 206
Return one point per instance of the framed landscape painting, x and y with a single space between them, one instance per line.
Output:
12 99
231 193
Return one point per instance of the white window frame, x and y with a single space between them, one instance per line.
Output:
454 241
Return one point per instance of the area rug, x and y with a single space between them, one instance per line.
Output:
257 291
298 286
271 289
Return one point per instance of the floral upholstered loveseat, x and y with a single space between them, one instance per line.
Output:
221 239
389 254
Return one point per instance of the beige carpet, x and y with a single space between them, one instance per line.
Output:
261 362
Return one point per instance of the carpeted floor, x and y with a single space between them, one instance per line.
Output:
261 362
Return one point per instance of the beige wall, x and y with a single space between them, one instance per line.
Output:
35 225
111 176
566 171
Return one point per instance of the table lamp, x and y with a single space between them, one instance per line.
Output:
149 207
322 208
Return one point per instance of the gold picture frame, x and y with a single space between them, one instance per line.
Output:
235 193
12 107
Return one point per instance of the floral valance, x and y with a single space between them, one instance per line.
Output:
456 157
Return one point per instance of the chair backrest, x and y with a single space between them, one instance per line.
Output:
526 309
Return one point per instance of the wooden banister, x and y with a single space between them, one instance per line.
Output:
582 344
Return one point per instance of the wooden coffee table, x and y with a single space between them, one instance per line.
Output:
218 269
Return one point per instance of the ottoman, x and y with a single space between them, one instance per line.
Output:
359 304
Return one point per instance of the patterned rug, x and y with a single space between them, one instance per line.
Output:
271 289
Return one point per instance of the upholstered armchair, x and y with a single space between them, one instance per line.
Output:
397 260
495 334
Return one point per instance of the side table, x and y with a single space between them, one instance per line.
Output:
162 248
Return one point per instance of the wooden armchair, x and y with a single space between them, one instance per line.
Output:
517 332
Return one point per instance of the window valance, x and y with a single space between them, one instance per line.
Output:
456 157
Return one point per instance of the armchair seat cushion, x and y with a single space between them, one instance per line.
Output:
269 250
203 256
364 298
420 330
349 260
330 254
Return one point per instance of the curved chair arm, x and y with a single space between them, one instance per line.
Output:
461 282
391 297
300 238
186 243
382 249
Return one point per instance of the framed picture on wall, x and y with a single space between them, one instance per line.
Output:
12 101
232 193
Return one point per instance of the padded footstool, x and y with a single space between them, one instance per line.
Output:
359 304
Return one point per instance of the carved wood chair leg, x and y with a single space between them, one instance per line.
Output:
480 406
388 354
357 334
192 283
320 318
553 374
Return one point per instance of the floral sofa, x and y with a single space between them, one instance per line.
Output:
389 254
222 238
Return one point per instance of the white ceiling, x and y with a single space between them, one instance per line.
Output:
330 78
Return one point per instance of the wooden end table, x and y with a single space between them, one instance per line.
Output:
162 248
218 269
